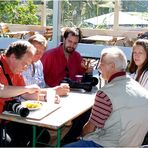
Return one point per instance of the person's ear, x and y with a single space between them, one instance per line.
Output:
12 57
113 66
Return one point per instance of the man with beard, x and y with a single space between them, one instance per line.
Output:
64 61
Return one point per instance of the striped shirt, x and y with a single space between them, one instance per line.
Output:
101 109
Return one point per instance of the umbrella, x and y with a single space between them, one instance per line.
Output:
124 19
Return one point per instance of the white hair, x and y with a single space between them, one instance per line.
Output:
117 56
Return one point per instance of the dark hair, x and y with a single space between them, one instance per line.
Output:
132 66
19 48
74 32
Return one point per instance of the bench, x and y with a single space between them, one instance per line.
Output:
93 52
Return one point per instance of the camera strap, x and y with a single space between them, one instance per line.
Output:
3 130
6 75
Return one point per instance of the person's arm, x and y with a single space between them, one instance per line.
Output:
12 91
88 128
62 90
86 65
144 80
100 113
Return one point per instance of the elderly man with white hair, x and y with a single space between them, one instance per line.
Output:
119 114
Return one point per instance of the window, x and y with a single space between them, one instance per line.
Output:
99 14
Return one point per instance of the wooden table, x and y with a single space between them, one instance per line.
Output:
73 105
17 34
109 40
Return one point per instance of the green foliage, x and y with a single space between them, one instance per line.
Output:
76 11
18 13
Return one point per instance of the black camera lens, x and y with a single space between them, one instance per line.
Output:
16 107
19 109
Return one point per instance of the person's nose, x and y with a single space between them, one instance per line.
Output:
99 65
72 45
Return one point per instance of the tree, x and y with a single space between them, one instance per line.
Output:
17 12
76 11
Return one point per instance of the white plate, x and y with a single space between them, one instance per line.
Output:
32 105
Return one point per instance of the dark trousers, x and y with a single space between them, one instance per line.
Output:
76 129
20 135
145 141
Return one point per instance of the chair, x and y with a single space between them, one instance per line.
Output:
4 28
48 33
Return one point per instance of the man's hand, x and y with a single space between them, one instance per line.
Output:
62 90
32 89
86 64
88 128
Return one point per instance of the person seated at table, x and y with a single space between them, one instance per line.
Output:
119 114
64 61
138 67
17 58
34 73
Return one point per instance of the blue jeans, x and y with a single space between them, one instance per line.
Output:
83 143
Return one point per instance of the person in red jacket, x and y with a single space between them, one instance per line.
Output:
64 60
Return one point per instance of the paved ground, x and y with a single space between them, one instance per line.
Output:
53 134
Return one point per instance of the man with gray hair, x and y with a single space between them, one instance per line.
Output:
119 114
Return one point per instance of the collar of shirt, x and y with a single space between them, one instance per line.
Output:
118 74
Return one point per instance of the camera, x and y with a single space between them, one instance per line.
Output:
87 82
87 77
16 107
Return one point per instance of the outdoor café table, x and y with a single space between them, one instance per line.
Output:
109 40
73 105
19 34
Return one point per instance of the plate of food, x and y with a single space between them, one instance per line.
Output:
32 104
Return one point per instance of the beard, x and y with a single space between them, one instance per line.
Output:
69 50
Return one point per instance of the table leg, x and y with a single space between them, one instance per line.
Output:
58 137
34 136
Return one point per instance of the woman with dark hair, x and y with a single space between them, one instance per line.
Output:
138 67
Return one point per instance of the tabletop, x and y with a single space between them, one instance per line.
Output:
104 38
71 106
76 103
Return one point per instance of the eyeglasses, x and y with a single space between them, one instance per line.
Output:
67 71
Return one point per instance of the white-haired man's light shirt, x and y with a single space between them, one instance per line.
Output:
36 77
